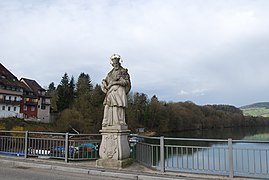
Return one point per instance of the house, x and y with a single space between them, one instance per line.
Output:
23 98
29 103
140 130
10 94
36 102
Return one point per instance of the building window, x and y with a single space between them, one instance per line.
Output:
3 108
15 98
9 98
27 100
33 108
25 108
8 108
15 109
43 106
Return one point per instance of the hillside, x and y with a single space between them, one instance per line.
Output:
256 109
256 105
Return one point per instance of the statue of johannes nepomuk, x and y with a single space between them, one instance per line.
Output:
114 149
116 85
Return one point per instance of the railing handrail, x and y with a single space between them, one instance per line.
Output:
198 139
4 131
48 133
148 137
252 141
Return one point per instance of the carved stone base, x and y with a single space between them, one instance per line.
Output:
112 163
114 143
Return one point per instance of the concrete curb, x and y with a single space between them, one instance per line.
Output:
96 172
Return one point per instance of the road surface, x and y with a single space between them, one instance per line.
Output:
25 173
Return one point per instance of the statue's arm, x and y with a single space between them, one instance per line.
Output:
104 86
122 81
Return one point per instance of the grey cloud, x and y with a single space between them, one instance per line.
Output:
203 51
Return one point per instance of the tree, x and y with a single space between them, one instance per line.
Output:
154 106
54 97
137 112
84 88
70 118
51 87
71 91
63 89
96 107
140 104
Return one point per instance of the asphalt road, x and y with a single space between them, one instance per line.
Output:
23 173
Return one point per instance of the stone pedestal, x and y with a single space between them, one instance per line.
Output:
112 163
114 149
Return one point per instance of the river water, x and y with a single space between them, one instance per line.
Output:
249 157
246 133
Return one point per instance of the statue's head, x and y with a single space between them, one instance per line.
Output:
115 61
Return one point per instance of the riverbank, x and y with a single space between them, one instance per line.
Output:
248 133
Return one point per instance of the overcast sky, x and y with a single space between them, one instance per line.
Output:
205 51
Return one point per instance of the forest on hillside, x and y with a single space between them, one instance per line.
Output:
256 105
79 105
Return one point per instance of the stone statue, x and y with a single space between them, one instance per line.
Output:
114 149
116 86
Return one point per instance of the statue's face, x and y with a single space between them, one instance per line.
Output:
116 64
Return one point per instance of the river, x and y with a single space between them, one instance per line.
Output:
250 151
246 133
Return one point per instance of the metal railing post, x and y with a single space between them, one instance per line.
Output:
162 165
231 169
26 144
66 147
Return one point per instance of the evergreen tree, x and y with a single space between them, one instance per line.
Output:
141 103
96 107
154 106
71 92
54 97
63 93
51 87
84 88
97 96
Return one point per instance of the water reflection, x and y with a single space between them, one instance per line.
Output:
249 158
259 133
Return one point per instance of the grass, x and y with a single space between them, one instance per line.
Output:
16 124
264 136
264 112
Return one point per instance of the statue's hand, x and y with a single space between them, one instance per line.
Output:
109 86
104 84
112 84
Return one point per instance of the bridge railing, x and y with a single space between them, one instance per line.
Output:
50 145
228 157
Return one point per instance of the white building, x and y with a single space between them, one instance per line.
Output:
10 94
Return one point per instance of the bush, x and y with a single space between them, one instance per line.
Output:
2 126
